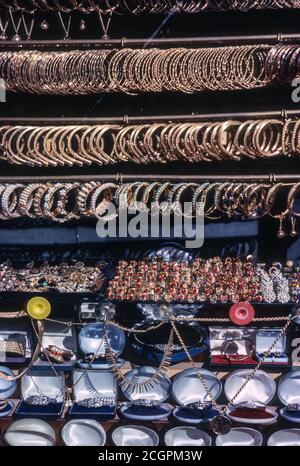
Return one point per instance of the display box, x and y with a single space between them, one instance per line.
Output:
43 395
63 336
16 331
94 394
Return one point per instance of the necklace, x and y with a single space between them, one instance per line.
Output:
28 30
16 26
96 400
133 385
65 26
41 399
3 29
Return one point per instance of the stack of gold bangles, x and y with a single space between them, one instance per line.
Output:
149 70
147 6
80 145
138 70
61 202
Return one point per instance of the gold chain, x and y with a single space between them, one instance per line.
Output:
258 366
199 375
132 385
133 330
221 319
175 319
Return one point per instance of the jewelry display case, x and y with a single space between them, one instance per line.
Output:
149 223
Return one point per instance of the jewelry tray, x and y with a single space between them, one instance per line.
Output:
49 385
265 337
87 384
62 336
16 330
240 343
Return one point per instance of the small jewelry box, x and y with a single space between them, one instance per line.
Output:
134 436
240 437
61 336
95 394
187 436
151 346
30 433
264 340
289 395
195 404
285 438
250 405
43 395
7 389
146 395
15 341
232 346
91 343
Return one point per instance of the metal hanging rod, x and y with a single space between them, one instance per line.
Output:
120 177
143 119
149 42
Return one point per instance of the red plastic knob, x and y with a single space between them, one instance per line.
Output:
242 313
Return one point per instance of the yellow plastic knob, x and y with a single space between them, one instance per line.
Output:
38 308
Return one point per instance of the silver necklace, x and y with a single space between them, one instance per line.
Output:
16 26
41 399
28 30
3 29
96 400
65 26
